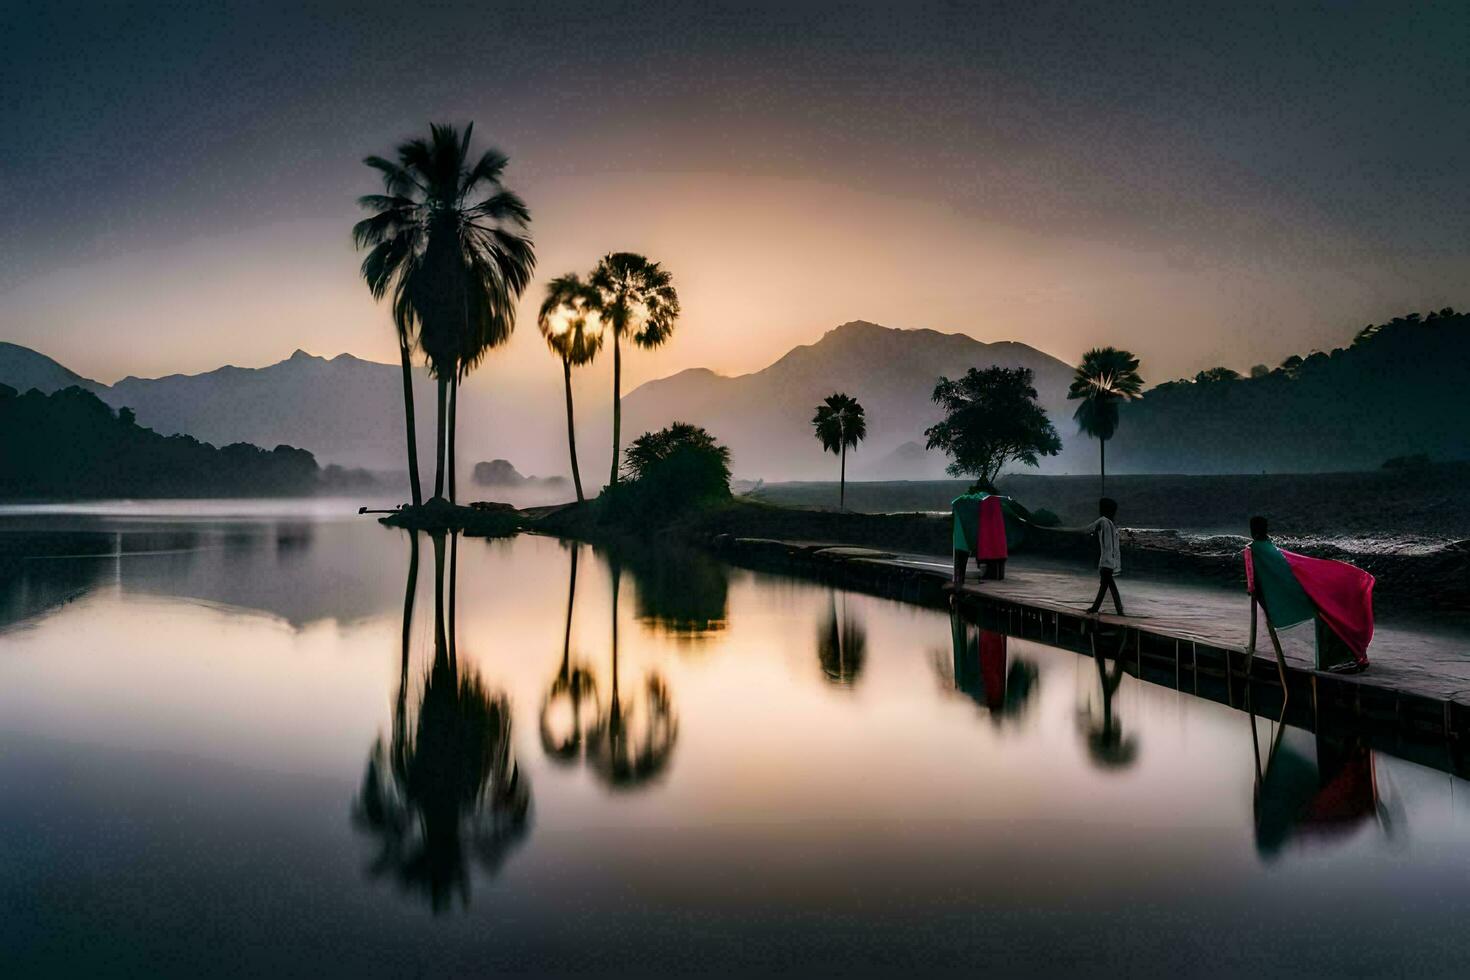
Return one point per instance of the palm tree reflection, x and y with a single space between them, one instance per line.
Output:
446 789
1107 745
979 667
634 739
566 727
842 644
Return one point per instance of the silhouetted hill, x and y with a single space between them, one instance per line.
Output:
70 445
23 369
765 417
345 409
1398 390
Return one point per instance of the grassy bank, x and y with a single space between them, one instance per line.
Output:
1432 503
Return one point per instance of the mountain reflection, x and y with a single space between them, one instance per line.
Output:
979 667
1107 746
842 643
446 788
1313 789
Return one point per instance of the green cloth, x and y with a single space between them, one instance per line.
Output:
1276 586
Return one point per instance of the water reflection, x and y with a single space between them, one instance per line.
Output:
978 666
569 710
446 788
842 643
1313 789
679 592
1107 745
634 738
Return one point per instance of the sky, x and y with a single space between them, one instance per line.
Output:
1203 184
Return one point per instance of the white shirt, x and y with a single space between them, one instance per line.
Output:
1107 543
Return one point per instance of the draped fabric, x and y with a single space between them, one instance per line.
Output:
1294 588
979 526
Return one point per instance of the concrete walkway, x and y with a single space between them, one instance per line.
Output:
1187 634
1417 659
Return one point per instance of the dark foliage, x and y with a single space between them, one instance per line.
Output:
70 445
991 418
1396 391
668 472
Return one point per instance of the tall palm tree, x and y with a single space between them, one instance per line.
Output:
573 330
1106 377
840 423
447 238
636 297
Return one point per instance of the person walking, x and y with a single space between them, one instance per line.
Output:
1109 558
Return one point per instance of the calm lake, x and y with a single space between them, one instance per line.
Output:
293 742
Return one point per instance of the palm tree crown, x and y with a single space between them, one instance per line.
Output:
447 238
1105 377
840 423
637 298
569 320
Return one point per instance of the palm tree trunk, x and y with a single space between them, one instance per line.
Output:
617 404
453 577
842 481
566 368
566 640
441 646
453 429
408 417
1102 484
400 716
439 443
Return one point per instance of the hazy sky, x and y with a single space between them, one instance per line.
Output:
1204 184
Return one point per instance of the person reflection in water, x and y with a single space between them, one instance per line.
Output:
1313 789
1107 746
446 789
983 670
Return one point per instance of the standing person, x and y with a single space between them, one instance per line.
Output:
1109 559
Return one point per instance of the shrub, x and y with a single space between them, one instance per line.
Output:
668 472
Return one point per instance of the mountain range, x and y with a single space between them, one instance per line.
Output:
1397 389
348 411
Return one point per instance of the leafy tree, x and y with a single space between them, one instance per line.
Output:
636 297
990 419
677 467
1106 377
573 330
840 423
1216 374
446 239
1260 371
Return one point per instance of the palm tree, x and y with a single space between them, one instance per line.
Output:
840 423
573 330
635 297
446 237
1106 377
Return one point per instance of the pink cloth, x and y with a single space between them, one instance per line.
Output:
992 535
1343 595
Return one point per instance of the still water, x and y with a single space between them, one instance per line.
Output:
303 745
